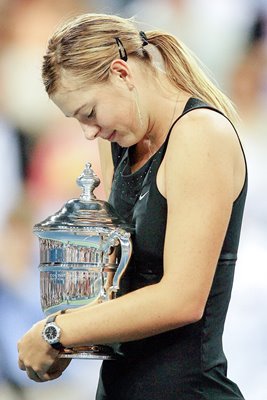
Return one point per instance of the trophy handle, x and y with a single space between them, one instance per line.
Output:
126 252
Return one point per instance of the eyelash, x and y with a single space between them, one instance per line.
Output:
92 114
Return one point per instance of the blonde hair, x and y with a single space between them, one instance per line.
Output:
86 46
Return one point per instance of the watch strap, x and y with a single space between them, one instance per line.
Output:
57 346
51 318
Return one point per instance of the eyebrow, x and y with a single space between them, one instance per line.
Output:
77 111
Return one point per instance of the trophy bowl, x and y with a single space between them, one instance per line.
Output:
85 248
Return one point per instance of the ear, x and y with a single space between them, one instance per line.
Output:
119 69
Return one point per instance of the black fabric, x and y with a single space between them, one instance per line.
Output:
186 363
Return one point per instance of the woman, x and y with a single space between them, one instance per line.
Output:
174 167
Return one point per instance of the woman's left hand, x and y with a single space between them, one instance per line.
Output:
36 356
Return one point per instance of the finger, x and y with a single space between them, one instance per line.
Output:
33 375
60 364
51 376
21 365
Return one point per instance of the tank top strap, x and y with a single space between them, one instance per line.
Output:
192 104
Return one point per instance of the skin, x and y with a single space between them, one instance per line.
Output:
202 173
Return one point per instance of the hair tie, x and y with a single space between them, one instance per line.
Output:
143 38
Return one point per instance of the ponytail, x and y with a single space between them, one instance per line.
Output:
185 71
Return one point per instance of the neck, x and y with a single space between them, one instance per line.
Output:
164 111
151 142
164 104
141 153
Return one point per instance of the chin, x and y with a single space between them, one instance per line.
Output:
126 139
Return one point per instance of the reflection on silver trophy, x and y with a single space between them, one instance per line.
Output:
84 250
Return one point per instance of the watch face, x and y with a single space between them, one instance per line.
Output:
51 333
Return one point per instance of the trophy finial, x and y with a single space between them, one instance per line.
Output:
88 181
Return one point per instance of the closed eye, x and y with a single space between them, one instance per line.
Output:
92 114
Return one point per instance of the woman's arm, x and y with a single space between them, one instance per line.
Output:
200 168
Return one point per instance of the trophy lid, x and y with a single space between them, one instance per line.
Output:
86 213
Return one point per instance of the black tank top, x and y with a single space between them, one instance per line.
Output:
187 363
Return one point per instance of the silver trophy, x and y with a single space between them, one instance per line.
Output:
85 248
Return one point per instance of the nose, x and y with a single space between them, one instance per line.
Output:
90 131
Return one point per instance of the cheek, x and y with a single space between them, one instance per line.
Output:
117 115
127 116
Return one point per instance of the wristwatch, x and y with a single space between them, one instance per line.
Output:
51 333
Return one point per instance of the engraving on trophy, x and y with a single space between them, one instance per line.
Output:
84 251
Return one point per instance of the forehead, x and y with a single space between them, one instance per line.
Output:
70 84
72 94
70 100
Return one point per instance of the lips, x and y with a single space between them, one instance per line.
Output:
111 136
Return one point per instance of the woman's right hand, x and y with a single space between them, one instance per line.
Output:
59 366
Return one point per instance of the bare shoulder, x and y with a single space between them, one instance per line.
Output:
203 123
203 145
204 133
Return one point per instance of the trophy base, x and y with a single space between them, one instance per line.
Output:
93 352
